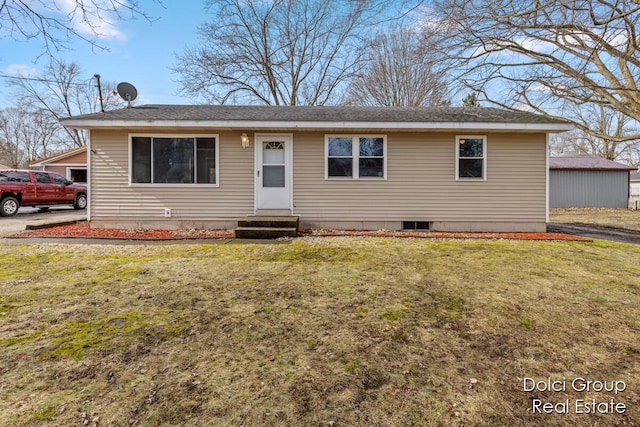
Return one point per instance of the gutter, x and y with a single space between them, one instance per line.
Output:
313 125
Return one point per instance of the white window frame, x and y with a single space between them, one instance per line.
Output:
161 135
70 168
484 157
355 157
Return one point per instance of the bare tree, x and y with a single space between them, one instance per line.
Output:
57 23
612 130
11 151
61 91
553 57
25 137
605 122
402 70
280 52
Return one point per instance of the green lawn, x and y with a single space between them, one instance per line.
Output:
317 331
618 218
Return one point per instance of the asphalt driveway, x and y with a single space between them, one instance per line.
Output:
597 232
30 216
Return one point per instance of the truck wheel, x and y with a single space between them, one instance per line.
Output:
9 206
80 202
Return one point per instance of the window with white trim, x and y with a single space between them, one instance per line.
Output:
471 157
174 159
355 156
77 174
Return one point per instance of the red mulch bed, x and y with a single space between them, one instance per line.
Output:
83 230
448 235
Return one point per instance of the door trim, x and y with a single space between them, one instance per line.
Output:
257 145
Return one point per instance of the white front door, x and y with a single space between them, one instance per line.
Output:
273 172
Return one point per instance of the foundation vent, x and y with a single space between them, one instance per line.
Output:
416 225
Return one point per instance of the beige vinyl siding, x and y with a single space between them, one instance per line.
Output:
421 182
113 198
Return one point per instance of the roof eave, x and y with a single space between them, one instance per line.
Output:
592 169
56 157
316 125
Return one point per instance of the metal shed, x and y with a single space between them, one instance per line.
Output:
588 182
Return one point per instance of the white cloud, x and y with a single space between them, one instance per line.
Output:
616 37
429 20
20 70
524 107
505 49
96 22
537 45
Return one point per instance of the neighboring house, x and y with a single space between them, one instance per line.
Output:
588 182
634 179
71 164
464 169
634 190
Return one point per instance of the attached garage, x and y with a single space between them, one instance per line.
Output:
71 164
588 182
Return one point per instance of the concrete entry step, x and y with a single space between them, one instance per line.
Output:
267 227
264 232
270 221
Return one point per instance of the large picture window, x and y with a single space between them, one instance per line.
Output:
355 157
174 160
471 157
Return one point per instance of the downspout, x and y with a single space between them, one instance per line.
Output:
628 188
547 182
89 157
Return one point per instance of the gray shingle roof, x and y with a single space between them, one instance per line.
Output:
315 114
585 163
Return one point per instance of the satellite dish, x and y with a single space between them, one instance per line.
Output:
127 91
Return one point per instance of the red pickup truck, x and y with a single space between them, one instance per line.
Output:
38 189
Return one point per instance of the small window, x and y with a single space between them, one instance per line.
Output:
43 178
206 160
58 179
77 175
356 157
173 160
471 157
141 160
273 164
340 158
371 160
12 176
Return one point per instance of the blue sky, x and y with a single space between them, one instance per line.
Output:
139 52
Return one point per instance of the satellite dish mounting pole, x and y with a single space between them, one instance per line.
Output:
97 76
